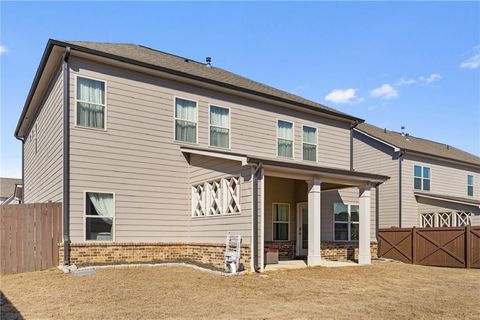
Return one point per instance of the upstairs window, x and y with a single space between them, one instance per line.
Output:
285 139
346 222
219 127
90 103
99 216
309 143
185 120
470 186
421 178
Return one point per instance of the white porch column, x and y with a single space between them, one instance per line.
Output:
314 213
364 255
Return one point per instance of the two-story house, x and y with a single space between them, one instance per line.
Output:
431 184
156 157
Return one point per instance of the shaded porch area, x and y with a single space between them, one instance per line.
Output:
314 219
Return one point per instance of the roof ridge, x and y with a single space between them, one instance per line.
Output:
171 54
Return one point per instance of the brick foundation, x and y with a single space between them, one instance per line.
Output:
337 251
207 255
342 251
286 249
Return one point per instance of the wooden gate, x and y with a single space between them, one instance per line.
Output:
443 247
29 236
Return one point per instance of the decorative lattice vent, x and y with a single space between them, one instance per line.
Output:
445 219
218 197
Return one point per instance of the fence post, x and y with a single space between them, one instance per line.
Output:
468 246
414 245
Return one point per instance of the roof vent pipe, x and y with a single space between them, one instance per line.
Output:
209 61
403 131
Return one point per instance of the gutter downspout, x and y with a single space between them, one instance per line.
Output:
258 168
352 126
66 157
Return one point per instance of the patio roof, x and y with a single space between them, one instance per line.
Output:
289 165
462 200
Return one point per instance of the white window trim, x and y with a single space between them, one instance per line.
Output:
421 177
105 120
175 120
346 222
293 139
275 221
85 216
229 126
312 144
471 185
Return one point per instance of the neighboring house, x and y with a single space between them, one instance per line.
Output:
431 184
156 157
10 191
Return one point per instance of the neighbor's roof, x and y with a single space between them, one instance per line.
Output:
419 145
7 186
179 66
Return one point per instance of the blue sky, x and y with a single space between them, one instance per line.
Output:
393 64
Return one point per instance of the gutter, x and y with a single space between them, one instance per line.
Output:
66 157
258 169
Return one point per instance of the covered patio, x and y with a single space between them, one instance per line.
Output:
306 211
315 214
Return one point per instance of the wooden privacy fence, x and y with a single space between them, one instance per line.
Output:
29 235
443 247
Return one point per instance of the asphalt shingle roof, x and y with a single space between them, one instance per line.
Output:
419 145
197 69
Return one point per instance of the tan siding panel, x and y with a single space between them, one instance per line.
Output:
43 153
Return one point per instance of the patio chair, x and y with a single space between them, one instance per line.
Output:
232 252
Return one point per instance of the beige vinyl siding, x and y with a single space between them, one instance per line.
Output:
446 179
138 159
210 229
134 157
372 156
43 168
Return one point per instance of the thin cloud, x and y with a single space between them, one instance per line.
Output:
405 82
474 61
342 96
431 78
3 49
385 91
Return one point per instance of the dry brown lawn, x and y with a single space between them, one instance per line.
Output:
380 291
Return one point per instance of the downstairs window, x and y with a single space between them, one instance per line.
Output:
346 222
99 216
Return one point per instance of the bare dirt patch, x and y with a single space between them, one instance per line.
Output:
381 291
